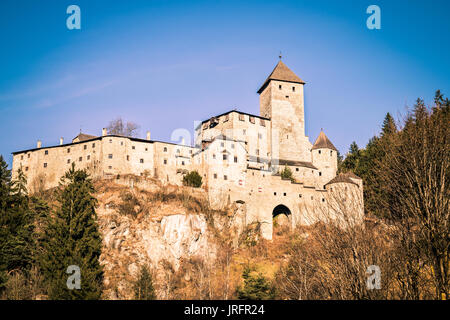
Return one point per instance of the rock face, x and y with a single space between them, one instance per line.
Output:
184 235
163 234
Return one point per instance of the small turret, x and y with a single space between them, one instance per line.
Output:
324 157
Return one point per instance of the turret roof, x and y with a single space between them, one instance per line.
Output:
282 73
341 178
322 142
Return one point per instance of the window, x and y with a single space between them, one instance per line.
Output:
252 119
299 195
262 122
85 147
241 117
109 167
320 151
68 160
46 152
235 159
274 193
26 168
293 89
146 149
323 200
110 140
182 163
93 145
257 152
279 87
214 156
296 169
287 97
215 175
320 174
312 198
133 147
45 164
227 117
68 150
224 157
80 159
141 160
21 157
225 177
178 150
110 156
222 144
89 157
331 152
165 161
128 158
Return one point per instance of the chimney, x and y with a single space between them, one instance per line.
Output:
61 141
148 135
182 141
39 144
104 132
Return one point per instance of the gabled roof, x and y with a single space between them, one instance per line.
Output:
83 137
322 142
281 73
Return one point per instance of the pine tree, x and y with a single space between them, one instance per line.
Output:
352 159
143 287
389 126
256 287
71 237
16 225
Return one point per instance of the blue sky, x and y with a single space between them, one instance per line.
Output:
165 64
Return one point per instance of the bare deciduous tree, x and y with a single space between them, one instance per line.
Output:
415 175
119 127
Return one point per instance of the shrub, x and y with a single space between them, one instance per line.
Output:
256 287
192 179
286 174
129 204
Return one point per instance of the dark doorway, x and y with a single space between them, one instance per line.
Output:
281 209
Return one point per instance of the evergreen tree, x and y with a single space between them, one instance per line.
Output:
351 160
389 126
143 287
16 224
71 237
256 287
286 173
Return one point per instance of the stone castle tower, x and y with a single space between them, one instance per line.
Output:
282 101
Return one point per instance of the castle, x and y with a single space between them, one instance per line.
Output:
239 156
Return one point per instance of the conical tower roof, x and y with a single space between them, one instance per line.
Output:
322 142
281 73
